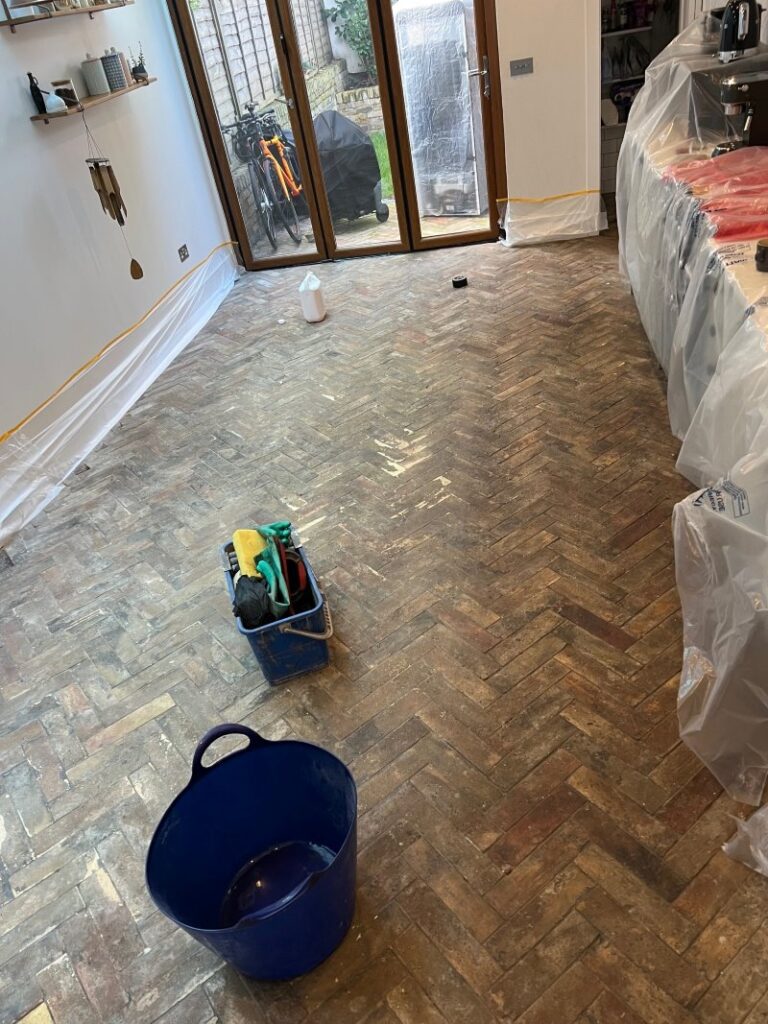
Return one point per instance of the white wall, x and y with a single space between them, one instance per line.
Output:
65 290
552 117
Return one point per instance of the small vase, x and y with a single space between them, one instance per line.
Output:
37 93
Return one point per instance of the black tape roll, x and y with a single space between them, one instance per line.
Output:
761 255
460 281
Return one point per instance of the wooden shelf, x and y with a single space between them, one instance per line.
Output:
627 31
91 101
28 19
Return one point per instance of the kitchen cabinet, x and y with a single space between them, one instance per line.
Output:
633 33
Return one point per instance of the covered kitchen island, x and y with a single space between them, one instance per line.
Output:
689 226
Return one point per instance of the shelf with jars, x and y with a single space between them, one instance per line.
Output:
49 11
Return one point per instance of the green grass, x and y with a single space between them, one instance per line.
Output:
379 141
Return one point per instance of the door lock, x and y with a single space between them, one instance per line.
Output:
483 73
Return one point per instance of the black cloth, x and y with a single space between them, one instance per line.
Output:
251 602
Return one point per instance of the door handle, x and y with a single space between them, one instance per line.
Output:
483 73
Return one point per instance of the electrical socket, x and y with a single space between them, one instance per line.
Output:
183 253
522 66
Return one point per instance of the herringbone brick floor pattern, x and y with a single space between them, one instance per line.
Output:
484 480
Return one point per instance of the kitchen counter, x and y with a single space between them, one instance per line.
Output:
703 304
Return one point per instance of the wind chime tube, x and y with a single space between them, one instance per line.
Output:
107 187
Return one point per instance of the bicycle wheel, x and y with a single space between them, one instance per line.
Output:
265 203
286 211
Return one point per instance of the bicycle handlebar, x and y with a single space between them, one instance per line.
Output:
268 115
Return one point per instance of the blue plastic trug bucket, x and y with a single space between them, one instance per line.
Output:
256 858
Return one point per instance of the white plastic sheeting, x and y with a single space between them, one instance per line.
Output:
36 459
530 221
721 563
688 223
719 303
750 843
683 220
732 417
437 48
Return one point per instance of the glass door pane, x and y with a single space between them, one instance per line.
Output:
257 123
444 81
354 145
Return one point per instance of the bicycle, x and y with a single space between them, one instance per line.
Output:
273 181
281 164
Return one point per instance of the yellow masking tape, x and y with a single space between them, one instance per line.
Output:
549 199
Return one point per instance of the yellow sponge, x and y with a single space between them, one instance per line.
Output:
248 546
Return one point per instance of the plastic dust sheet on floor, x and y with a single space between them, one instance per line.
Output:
528 221
688 226
36 458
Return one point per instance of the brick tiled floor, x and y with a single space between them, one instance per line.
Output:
484 480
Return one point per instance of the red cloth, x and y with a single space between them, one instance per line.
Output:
732 191
738 217
720 171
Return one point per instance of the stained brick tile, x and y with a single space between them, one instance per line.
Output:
543 965
484 482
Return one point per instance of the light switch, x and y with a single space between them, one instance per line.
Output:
523 66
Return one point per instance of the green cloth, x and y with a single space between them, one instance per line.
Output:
270 567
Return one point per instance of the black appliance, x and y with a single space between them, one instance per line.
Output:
740 29
746 95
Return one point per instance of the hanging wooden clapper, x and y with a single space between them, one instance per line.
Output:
107 188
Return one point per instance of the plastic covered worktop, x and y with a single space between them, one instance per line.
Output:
689 222
688 226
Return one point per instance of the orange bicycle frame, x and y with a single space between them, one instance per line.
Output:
282 167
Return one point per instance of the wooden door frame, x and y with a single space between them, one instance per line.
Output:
395 124
292 57
498 159
493 127
195 72
207 115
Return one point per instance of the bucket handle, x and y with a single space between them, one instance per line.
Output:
216 733
325 635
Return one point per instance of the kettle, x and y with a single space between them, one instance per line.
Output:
740 30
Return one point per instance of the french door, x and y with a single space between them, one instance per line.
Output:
347 127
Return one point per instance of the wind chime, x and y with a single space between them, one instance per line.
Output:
107 187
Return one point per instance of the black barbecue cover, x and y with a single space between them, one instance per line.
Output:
350 166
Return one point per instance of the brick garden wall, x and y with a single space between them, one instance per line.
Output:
362 106
323 87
